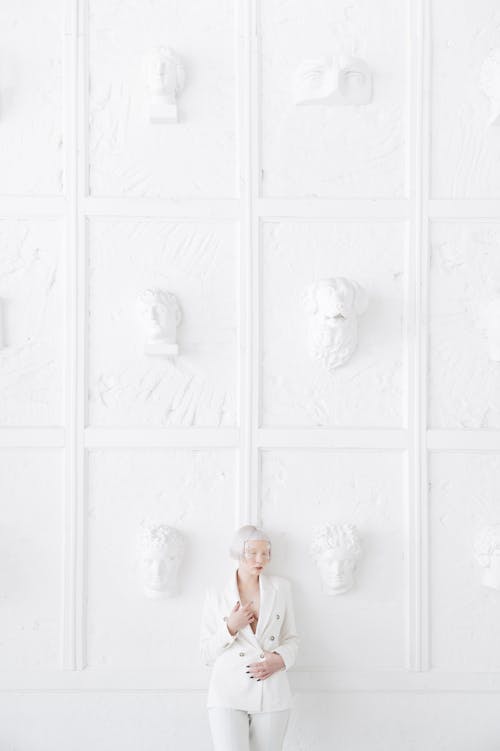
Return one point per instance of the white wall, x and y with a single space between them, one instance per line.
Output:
235 209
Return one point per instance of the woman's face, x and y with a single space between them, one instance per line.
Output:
256 556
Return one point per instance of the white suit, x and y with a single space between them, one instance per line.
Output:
230 684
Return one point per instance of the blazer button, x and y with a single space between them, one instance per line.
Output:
277 616
262 655
272 638
242 654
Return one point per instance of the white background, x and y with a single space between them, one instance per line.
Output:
236 209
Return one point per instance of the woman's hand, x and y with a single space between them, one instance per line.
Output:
262 670
240 617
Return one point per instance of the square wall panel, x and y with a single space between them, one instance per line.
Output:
192 158
321 150
32 322
31 114
198 263
367 390
192 491
465 55
364 628
30 575
464 613
464 380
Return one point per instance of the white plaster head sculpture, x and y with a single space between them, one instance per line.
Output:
489 82
336 549
160 315
333 306
487 554
166 78
338 80
161 552
486 314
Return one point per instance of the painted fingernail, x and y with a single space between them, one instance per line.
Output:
258 679
247 672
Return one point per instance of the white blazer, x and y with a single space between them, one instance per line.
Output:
230 685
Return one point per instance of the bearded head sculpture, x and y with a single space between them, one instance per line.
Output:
333 306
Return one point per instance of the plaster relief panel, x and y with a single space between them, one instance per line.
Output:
367 390
464 374
353 151
31 555
190 491
193 158
32 317
465 148
301 491
31 94
465 611
197 263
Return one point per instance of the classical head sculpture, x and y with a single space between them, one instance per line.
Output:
166 78
487 554
336 549
337 80
160 315
333 306
161 551
489 82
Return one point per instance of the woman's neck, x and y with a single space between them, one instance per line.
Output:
246 580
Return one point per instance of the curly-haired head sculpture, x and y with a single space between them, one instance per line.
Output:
160 314
336 549
487 554
333 306
243 535
161 550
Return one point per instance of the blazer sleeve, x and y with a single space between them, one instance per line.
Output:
289 640
214 635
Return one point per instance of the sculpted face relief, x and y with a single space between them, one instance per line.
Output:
161 553
337 80
487 554
333 306
336 549
160 315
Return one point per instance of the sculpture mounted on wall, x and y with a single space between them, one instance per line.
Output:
336 549
341 80
487 554
161 551
166 78
489 83
160 315
333 306
486 314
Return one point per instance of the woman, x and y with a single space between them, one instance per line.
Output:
248 636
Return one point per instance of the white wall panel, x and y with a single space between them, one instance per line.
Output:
363 629
32 285
464 383
336 152
368 391
199 263
129 156
31 544
192 491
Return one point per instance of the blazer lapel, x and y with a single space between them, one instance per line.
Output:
267 599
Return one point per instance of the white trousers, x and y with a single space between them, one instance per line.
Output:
239 730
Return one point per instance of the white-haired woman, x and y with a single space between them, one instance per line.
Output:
249 639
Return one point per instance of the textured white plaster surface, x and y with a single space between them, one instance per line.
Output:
465 615
31 116
198 262
192 491
194 158
464 384
32 307
368 390
30 574
364 628
465 149
155 721
352 151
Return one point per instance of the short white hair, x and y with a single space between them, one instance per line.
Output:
240 537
